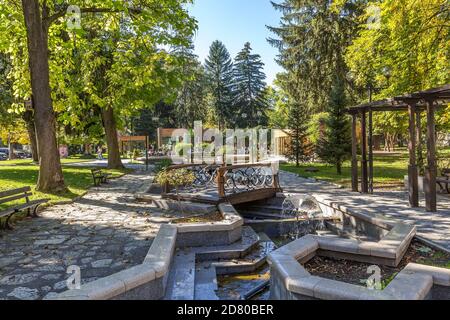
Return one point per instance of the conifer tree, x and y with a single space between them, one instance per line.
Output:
334 146
249 89
219 68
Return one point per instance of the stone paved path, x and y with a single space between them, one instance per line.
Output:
390 204
104 232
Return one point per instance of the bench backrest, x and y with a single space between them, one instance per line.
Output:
446 172
15 194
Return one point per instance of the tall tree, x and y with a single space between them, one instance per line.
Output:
150 23
311 39
249 89
219 68
37 22
297 124
406 51
334 146
190 102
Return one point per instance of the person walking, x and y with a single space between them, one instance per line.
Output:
100 153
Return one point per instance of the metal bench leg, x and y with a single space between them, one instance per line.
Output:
35 215
7 224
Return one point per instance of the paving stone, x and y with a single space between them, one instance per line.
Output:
38 252
23 293
101 263
18 279
7 261
55 240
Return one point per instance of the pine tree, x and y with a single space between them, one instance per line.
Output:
249 89
219 68
311 38
190 102
334 146
297 123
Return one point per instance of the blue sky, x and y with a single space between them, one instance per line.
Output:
235 22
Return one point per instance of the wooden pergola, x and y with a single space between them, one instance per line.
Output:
416 103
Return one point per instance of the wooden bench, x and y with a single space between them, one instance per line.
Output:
99 176
444 181
17 194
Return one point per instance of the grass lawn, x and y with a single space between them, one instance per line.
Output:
21 173
389 170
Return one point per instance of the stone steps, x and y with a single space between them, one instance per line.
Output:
239 249
247 264
193 275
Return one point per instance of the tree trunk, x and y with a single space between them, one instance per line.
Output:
109 123
50 172
28 118
11 155
339 168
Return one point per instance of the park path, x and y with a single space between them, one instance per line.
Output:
392 205
103 232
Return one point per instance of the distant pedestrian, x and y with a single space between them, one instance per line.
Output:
100 153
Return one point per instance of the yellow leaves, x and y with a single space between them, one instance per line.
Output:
15 132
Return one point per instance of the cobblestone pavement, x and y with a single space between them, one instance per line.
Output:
104 232
392 205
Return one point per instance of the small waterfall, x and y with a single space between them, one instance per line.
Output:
301 215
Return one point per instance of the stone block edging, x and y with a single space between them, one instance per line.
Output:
290 280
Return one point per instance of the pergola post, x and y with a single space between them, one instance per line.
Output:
413 179
370 142
354 153
431 170
419 159
364 180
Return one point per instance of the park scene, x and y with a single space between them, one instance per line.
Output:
228 150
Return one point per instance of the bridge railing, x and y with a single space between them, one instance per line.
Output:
231 179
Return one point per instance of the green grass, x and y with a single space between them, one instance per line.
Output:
21 173
25 162
389 170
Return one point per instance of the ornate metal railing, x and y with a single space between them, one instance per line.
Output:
228 180
248 177
205 176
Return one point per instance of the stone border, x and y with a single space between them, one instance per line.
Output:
224 232
290 280
148 280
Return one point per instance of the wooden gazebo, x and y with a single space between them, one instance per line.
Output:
416 103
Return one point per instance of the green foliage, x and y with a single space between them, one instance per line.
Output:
175 178
312 38
219 69
250 103
298 125
115 60
316 126
162 165
190 103
278 114
334 146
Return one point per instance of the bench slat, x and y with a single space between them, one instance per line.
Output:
20 196
31 204
14 192
7 212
